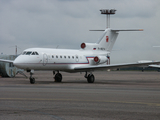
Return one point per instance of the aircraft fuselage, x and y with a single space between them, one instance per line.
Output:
54 59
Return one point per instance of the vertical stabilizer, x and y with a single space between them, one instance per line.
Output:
107 40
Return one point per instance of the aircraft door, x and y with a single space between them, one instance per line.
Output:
45 59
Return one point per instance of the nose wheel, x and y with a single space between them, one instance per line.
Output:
32 79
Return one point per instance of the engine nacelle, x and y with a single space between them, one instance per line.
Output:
89 46
100 59
83 45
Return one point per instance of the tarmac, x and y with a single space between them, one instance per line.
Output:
115 95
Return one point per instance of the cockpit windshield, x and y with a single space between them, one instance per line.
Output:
24 53
30 53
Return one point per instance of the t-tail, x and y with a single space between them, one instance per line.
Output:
106 41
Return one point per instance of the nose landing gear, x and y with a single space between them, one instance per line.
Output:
32 79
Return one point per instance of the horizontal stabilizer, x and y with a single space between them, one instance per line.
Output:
127 29
96 30
121 30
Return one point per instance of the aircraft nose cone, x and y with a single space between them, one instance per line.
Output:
17 62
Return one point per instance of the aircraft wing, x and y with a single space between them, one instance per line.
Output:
113 66
8 61
154 66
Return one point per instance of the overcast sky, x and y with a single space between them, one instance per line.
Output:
66 23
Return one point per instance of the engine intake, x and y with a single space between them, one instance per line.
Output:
83 45
96 59
100 59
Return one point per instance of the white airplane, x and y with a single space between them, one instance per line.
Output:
144 66
91 57
155 66
151 66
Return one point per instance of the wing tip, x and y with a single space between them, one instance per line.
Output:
141 30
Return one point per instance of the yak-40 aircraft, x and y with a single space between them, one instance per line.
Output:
91 57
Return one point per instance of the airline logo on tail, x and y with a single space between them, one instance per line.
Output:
107 38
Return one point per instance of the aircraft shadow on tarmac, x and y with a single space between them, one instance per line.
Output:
112 78
107 82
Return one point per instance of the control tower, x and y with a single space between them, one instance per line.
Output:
108 12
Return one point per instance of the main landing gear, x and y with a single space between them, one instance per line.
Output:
58 76
90 77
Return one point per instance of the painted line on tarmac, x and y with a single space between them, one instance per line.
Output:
78 100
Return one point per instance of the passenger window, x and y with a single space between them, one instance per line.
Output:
60 56
73 57
56 56
52 56
64 56
69 57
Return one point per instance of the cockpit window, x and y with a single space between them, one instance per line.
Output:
36 53
28 53
24 53
33 53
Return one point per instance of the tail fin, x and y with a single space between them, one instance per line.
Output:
106 41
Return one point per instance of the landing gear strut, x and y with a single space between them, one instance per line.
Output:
90 77
58 77
32 79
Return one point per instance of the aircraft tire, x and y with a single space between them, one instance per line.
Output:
32 80
90 78
58 77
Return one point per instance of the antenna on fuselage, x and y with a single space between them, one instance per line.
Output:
108 12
